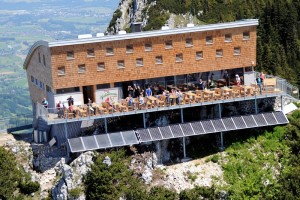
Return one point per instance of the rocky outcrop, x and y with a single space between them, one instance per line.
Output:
71 176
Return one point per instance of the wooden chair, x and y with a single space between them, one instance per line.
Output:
236 91
68 115
186 99
108 108
218 94
161 101
123 106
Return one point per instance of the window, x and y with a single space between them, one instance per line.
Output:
148 47
169 44
199 55
129 48
179 57
36 82
209 40
61 71
139 62
90 52
67 90
44 60
219 53
81 69
41 85
237 51
228 37
32 79
40 57
189 42
103 86
246 35
48 88
100 66
159 60
109 51
70 55
121 64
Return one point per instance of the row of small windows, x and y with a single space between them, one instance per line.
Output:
37 83
40 58
140 61
148 46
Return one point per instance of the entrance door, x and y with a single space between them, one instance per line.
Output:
88 92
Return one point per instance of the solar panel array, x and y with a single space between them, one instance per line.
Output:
175 131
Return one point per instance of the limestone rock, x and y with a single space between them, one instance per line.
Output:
107 161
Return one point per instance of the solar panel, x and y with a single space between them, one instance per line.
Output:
89 143
116 139
281 118
166 132
270 118
239 122
176 130
187 129
130 137
208 127
76 144
197 128
229 125
155 134
249 121
103 141
260 120
219 126
144 135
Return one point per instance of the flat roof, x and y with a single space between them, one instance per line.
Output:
158 33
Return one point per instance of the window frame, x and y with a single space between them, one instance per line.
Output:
129 48
197 57
121 64
137 62
109 51
226 38
149 48
160 59
246 35
99 68
179 57
237 51
169 44
81 66
61 69
90 52
189 42
209 40
70 55
221 53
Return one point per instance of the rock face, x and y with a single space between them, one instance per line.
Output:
131 12
72 176
143 165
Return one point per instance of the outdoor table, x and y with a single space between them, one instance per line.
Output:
173 97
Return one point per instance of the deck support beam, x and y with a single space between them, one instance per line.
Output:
183 138
221 133
255 103
105 125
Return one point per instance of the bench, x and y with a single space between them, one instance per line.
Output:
269 84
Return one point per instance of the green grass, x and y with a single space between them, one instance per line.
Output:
21 83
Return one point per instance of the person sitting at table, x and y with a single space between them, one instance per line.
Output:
129 99
148 91
211 84
72 110
179 97
141 101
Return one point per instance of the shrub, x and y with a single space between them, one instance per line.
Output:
29 187
215 158
75 192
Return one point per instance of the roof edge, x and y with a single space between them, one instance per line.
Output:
157 33
31 51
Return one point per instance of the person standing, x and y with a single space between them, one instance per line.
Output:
226 77
262 78
237 80
148 92
70 101
259 83
201 85
45 103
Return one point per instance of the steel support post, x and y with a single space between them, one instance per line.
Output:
144 120
281 99
183 138
255 103
221 133
66 130
105 125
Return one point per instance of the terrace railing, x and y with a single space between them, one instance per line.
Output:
16 122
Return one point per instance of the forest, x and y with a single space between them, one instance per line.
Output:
278 51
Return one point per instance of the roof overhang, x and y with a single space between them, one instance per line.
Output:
32 50
158 33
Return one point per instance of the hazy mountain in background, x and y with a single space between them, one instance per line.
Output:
23 22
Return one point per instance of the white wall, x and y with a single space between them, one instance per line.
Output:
77 96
